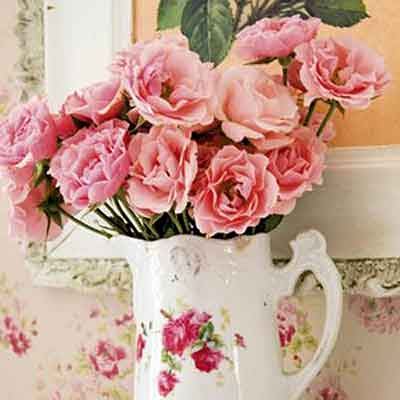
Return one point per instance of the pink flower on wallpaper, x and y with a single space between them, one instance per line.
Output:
327 388
377 315
15 337
207 359
182 332
126 319
140 346
106 357
166 383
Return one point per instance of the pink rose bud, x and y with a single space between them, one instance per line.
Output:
238 192
343 70
27 135
271 37
164 166
167 82
252 104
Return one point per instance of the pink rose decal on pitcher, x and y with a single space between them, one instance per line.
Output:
191 338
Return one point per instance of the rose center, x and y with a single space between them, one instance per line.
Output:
166 90
336 78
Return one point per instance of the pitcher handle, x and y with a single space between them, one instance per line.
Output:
310 254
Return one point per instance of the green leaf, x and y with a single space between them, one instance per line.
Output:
343 13
170 13
270 223
208 24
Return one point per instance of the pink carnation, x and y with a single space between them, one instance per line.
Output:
164 166
28 135
105 359
297 167
207 359
91 166
238 191
98 103
343 70
28 222
271 37
167 82
252 104
166 383
181 333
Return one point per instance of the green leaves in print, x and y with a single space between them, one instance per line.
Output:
343 13
170 13
208 24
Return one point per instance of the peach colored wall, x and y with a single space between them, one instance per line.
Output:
381 123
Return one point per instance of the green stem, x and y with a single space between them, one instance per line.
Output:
110 221
175 220
285 75
310 113
83 224
118 219
135 218
328 116
125 217
151 228
186 221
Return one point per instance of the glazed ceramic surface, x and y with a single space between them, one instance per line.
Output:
205 312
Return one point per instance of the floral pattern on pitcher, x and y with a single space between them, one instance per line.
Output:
192 335
295 334
377 315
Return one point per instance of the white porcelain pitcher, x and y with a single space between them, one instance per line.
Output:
205 312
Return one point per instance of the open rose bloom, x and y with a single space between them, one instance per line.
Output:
173 145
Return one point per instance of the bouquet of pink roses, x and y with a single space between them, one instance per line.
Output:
170 145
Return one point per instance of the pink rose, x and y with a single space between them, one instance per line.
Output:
271 37
164 166
343 70
17 182
140 346
167 82
297 167
28 135
98 103
105 359
166 383
181 333
28 222
92 165
252 104
15 337
237 193
207 359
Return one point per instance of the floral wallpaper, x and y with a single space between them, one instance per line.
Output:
63 345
